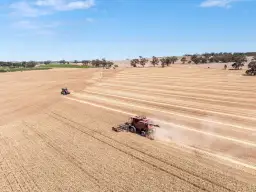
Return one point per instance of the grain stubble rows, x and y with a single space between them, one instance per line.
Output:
51 143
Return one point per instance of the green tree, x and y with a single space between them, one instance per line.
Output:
207 55
237 65
17 64
23 63
47 62
183 60
196 59
85 62
135 62
155 61
96 63
103 63
163 62
143 61
203 60
168 61
239 58
109 64
62 61
173 59
251 68
30 64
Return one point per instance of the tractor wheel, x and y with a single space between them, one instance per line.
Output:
132 129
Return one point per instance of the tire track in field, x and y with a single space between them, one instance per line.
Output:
233 145
147 108
177 82
19 174
235 132
188 88
5 175
171 151
68 157
187 79
132 114
182 92
242 149
209 105
93 135
61 171
179 106
105 177
144 153
172 95
102 182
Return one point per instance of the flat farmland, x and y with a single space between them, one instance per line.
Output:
206 140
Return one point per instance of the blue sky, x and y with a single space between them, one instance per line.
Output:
120 29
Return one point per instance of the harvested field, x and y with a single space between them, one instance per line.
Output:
51 142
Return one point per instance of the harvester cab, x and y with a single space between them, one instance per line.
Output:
65 91
140 125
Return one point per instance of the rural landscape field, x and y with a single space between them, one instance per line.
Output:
52 142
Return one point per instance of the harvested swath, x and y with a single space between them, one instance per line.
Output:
58 144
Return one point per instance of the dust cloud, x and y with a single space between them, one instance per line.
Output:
171 133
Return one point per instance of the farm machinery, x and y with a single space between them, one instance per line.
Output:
65 91
138 124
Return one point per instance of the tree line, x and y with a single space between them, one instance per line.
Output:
164 61
94 63
238 60
25 64
218 58
30 64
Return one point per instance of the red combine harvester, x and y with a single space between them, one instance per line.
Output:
140 125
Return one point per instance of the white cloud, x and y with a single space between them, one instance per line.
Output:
66 5
35 27
47 2
24 24
34 9
37 8
28 24
23 8
217 3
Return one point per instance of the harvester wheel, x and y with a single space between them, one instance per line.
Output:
143 133
132 129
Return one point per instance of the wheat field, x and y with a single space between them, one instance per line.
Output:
51 142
